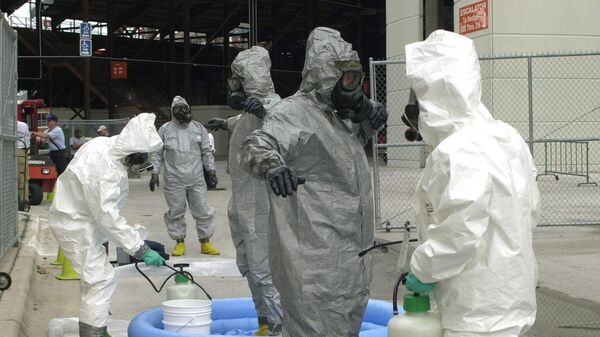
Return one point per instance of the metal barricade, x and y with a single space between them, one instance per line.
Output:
563 157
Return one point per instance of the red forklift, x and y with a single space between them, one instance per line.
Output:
41 170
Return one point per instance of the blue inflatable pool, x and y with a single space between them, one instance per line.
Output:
236 316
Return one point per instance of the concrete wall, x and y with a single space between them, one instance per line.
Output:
404 22
519 27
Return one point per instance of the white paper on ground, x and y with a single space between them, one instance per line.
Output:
213 267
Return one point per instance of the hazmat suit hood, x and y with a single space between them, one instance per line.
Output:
139 135
253 67
324 48
180 101
444 73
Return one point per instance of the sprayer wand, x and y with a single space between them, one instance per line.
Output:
186 274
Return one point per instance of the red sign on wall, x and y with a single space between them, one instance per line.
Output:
473 17
118 70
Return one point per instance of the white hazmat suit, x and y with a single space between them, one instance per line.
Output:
315 235
477 201
85 212
186 150
248 210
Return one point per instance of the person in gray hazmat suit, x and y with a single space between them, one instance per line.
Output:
186 149
248 211
315 235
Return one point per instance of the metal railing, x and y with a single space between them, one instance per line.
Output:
567 158
553 101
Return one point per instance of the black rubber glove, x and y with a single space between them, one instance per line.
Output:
283 180
379 116
255 107
154 181
216 124
212 176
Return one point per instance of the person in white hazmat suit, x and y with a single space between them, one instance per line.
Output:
315 235
186 151
477 201
248 210
86 213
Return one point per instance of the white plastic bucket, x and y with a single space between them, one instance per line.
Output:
200 329
187 316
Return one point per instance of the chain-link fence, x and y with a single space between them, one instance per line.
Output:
8 166
552 100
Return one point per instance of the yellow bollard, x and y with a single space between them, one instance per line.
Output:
60 258
68 273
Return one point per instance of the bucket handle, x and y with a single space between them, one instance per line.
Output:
188 322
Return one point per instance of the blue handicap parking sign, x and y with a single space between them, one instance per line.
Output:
85 30
85 47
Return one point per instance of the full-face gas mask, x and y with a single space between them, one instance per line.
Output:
347 96
235 95
182 113
411 118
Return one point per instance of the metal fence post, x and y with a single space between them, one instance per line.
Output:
530 94
375 140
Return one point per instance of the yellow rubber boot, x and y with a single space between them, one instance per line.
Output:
179 249
208 248
263 330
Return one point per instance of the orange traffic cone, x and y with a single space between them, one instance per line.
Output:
60 258
68 273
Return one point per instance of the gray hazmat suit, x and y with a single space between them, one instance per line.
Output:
249 204
186 149
317 233
477 201
85 213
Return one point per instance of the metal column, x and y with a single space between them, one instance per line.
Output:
358 41
187 76
375 143
253 22
313 15
110 4
530 94
172 47
85 10
226 55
